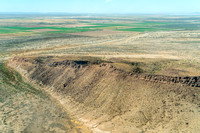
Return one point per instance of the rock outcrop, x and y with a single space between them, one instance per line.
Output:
108 99
193 81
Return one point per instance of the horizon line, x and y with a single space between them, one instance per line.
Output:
162 13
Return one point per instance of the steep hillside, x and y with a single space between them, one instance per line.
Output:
108 99
25 109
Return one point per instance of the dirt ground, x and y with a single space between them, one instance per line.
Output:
23 110
108 80
107 99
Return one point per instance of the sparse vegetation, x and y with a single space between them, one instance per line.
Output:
14 79
134 73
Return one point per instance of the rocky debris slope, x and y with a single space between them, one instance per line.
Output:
190 81
107 99
193 81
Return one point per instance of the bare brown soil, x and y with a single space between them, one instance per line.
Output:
112 81
108 99
102 33
25 109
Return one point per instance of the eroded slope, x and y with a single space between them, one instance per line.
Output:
112 100
25 109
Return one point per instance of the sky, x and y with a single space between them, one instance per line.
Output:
101 6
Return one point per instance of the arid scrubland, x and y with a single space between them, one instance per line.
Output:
124 74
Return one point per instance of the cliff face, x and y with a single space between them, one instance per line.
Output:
111 100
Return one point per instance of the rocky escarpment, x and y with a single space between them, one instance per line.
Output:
193 81
111 100
190 81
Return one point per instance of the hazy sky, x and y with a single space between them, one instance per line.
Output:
101 6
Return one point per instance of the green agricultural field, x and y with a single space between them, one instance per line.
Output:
17 29
146 26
